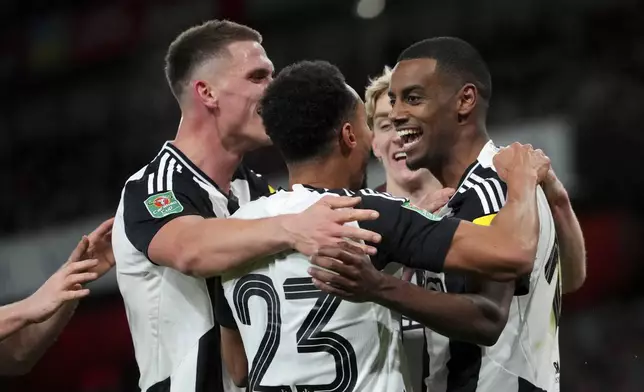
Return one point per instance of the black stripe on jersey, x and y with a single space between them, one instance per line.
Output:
526 386
312 339
161 386
553 261
464 364
209 365
300 288
261 286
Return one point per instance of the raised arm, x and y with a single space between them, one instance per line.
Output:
572 250
504 250
209 247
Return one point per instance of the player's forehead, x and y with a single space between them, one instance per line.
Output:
382 106
248 56
409 74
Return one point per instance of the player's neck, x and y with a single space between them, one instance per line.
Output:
202 145
465 151
328 174
416 190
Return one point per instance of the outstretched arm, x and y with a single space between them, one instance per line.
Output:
572 249
29 327
209 247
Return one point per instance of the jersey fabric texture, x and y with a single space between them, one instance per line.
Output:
297 338
526 356
171 317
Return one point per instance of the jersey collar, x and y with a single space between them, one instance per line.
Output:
198 173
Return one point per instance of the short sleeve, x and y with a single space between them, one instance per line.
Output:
480 204
145 212
410 235
223 312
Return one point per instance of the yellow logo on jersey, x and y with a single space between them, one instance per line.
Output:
484 220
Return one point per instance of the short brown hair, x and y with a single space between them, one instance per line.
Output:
377 87
199 43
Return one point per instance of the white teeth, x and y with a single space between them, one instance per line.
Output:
405 132
400 155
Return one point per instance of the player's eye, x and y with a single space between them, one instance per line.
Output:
259 75
412 99
384 126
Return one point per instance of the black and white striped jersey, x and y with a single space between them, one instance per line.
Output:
171 314
526 356
298 338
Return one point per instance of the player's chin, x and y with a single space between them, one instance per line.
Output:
414 161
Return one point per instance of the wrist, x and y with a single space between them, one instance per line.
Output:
25 311
286 240
385 284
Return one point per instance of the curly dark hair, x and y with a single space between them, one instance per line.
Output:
304 108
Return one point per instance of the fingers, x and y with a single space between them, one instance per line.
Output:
332 290
331 279
77 279
81 266
80 249
340 202
102 229
333 265
75 294
358 215
357 233
347 253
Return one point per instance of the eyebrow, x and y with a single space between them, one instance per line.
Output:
380 115
409 89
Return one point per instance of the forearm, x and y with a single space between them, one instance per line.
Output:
25 347
516 227
469 318
12 319
214 246
506 249
572 250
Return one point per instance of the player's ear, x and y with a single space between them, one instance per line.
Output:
206 94
348 140
466 102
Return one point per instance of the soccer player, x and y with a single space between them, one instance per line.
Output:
171 237
318 124
29 327
440 91
419 186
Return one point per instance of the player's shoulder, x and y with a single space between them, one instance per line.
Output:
165 172
481 192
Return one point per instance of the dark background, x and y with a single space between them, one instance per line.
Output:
85 105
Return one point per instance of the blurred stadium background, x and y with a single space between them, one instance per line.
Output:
85 104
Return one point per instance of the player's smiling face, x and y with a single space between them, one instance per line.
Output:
421 112
247 72
388 146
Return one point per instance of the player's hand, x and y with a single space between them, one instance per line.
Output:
433 202
555 191
349 273
100 247
322 225
63 286
521 160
